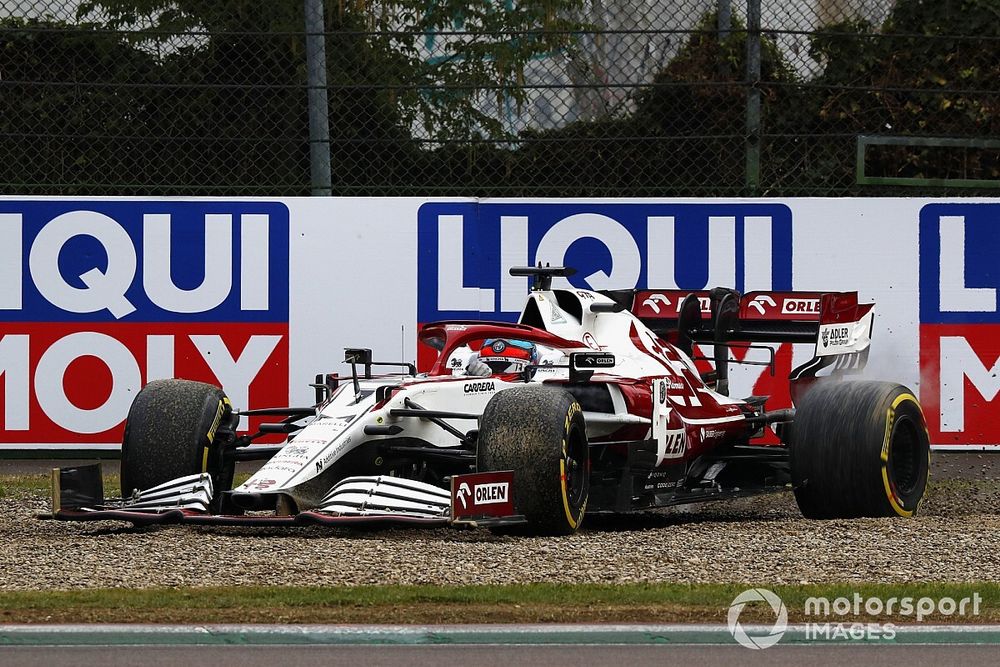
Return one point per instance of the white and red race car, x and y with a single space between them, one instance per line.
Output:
605 411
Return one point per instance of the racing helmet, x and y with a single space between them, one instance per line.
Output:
507 356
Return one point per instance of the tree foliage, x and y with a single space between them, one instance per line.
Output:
437 64
203 96
930 71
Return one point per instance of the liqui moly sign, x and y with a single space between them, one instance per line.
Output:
99 297
960 322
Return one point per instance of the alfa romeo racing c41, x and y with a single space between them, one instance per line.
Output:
611 408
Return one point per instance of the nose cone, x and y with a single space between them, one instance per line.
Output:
251 502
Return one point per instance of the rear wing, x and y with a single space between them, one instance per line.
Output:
756 317
835 322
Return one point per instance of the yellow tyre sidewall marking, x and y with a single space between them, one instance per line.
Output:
219 411
889 420
218 420
565 498
573 522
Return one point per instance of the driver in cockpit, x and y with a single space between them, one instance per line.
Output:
503 357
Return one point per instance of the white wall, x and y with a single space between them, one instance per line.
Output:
364 272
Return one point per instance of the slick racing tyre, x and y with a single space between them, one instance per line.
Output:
859 449
170 433
539 433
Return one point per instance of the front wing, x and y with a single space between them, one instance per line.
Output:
77 495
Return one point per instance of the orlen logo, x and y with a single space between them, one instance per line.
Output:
960 322
800 307
493 493
99 297
467 248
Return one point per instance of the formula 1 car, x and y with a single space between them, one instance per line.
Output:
615 416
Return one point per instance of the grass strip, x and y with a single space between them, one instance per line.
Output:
630 603
39 484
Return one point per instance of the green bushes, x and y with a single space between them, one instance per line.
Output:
209 98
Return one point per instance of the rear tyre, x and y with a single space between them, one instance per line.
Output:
540 434
170 433
859 449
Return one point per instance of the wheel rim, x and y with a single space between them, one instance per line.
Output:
576 467
905 461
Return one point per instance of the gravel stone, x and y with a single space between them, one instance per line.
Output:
956 537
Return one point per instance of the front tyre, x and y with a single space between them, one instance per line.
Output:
859 449
170 433
540 434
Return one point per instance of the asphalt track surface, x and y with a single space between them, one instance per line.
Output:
527 645
503 656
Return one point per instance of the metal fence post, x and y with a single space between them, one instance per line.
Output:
318 102
753 98
724 18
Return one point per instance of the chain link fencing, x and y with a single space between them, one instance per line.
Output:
500 98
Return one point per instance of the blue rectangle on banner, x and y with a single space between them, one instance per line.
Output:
143 261
466 249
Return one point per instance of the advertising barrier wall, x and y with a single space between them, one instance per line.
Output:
100 295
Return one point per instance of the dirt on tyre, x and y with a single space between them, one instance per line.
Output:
859 449
539 433
170 433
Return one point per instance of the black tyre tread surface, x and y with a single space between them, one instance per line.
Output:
522 429
836 450
166 432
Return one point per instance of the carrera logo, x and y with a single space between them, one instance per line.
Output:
800 307
478 387
491 494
